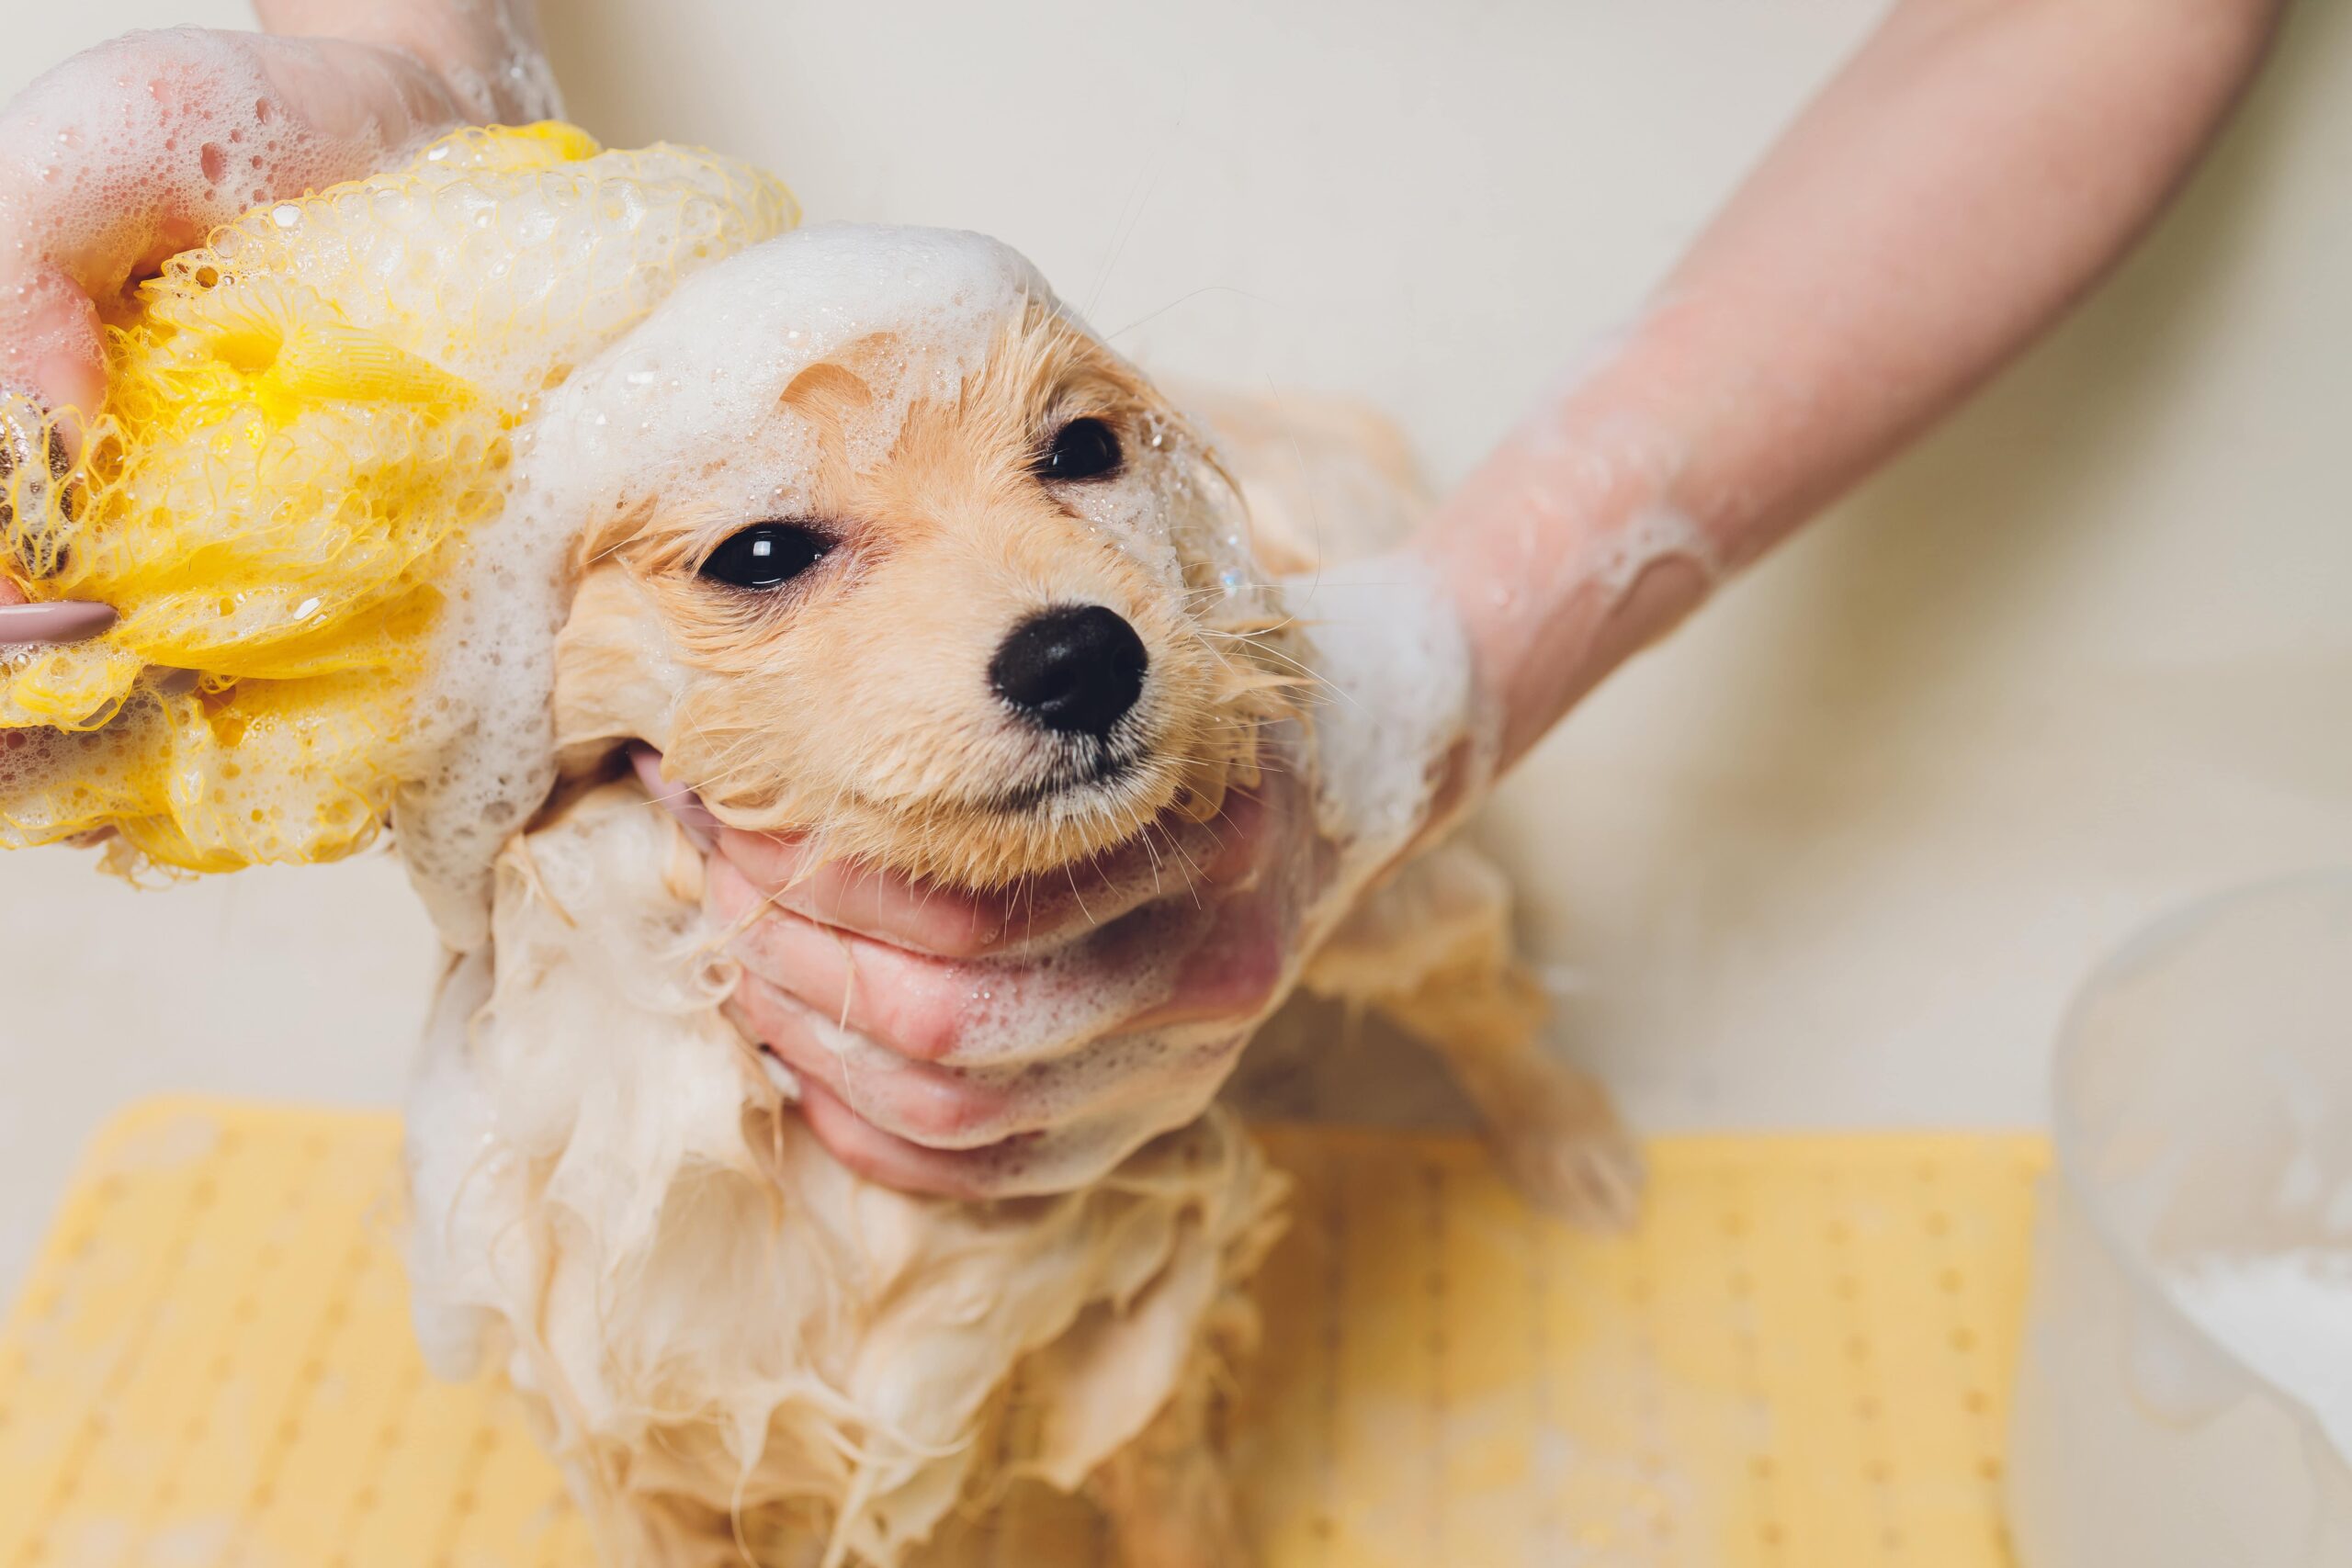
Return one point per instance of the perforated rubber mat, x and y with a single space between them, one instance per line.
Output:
1800 1361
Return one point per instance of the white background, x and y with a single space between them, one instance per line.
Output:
1837 854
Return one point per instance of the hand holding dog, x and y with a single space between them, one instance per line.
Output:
981 1044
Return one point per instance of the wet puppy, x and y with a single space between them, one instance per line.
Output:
880 547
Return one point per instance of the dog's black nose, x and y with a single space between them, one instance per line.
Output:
1075 670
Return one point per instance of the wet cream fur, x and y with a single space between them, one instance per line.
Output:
730 1343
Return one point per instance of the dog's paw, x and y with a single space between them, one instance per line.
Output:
1592 1179
1559 1141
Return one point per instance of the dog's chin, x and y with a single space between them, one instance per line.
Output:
1030 828
1043 827
1104 777
1072 812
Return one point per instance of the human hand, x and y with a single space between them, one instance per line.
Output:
133 149
990 1045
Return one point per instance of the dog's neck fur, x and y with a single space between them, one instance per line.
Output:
721 1330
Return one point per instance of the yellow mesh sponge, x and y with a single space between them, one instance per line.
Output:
303 420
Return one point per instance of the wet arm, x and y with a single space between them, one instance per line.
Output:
1971 172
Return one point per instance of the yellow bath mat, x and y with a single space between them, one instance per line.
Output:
1799 1363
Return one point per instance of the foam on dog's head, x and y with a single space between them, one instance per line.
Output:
890 390
675 403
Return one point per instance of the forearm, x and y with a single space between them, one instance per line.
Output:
1974 169
487 53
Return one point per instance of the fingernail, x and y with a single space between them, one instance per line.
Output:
63 620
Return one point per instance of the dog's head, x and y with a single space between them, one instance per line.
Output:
882 546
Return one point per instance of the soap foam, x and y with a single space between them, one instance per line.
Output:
1397 706
691 397
2286 1316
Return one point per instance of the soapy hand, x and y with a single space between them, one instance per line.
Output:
987 1045
135 149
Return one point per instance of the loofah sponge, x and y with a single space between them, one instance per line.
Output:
306 417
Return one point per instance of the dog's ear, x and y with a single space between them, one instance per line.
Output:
836 391
828 391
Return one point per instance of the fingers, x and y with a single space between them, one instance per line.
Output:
131 151
914 1004
937 1107
1218 953
360 104
1137 1076
50 343
881 1156
928 1009
1234 971
489 52
878 904
1072 1155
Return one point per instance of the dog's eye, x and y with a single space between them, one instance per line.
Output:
1082 449
767 554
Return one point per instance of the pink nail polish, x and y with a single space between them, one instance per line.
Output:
68 620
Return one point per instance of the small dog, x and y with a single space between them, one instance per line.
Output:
880 545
